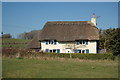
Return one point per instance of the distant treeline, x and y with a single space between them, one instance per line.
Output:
25 35
6 35
28 35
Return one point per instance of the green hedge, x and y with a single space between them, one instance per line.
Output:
12 52
83 56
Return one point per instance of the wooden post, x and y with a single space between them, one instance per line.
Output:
70 55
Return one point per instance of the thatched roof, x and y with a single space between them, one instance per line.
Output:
69 31
65 31
35 43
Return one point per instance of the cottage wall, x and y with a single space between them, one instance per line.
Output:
92 46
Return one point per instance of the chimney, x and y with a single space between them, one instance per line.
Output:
93 19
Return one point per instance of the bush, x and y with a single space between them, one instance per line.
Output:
83 56
6 36
13 52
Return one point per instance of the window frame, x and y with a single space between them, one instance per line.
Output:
46 50
58 50
87 51
46 42
52 42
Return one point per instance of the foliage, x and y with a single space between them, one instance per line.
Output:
6 36
110 40
84 56
12 52
28 35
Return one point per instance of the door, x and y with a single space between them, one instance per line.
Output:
68 51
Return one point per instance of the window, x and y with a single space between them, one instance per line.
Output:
46 42
83 51
87 50
54 50
79 51
77 43
75 51
50 51
58 50
47 50
80 42
83 42
54 42
86 42
51 42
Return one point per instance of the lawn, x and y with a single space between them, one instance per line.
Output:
11 40
55 68
19 41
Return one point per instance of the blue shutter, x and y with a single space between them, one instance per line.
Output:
46 42
86 42
75 51
87 50
58 50
47 50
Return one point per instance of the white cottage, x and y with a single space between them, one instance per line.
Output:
70 36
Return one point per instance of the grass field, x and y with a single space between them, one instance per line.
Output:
6 41
55 68
14 40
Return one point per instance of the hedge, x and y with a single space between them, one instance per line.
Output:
12 52
83 56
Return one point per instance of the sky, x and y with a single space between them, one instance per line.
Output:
19 17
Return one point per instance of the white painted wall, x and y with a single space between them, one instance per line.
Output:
92 46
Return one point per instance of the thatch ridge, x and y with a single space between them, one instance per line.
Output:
69 31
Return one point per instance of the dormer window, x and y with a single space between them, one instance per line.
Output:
86 42
55 42
77 42
82 42
46 42
52 42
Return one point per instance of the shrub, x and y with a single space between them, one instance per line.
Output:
13 52
83 56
